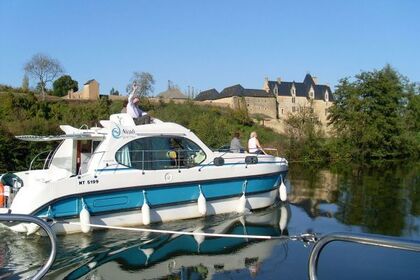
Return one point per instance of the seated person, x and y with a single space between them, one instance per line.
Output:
254 146
235 144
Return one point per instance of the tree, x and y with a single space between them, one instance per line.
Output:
62 85
114 92
368 115
44 69
143 82
305 133
25 83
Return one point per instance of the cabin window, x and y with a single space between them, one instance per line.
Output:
153 153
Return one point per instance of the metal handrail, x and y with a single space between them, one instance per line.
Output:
272 149
35 157
356 238
44 225
47 160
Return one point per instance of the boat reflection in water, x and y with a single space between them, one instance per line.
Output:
185 256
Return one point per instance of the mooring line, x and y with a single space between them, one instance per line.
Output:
306 237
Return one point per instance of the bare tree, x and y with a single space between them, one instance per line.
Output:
44 69
142 84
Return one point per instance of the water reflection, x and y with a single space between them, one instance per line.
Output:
176 256
21 255
381 199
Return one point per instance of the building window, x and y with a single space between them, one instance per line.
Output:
282 111
311 94
293 109
293 99
326 111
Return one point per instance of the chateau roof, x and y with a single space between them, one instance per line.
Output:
210 94
235 90
172 93
284 89
90 81
302 89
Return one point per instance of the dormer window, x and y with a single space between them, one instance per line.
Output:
311 94
326 96
276 90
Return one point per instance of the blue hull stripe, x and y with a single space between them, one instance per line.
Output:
132 198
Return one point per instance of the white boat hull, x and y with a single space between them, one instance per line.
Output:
171 213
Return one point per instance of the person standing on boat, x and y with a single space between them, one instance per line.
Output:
235 144
254 146
133 109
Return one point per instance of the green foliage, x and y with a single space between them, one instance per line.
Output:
114 92
62 85
376 116
370 115
306 138
12 151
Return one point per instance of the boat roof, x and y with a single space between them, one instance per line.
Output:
122 121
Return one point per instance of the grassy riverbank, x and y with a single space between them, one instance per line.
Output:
376 116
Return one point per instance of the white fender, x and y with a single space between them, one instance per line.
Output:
283 218
242 204
145 210
199 238
148 252
31 228
92 265
84 220
202 204
19 228
283 191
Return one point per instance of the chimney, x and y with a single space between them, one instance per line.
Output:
266 87
279 80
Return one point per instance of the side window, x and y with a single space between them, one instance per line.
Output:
152 153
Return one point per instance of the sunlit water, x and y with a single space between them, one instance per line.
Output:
382 200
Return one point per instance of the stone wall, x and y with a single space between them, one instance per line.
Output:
89 91
261 105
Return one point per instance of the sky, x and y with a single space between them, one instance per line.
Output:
210 44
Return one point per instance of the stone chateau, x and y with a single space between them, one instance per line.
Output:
273 103
276 100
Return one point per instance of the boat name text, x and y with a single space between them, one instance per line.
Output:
89 182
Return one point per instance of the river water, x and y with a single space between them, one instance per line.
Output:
383 199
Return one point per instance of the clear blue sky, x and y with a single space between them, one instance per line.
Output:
209 44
